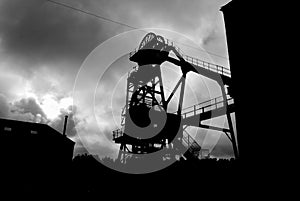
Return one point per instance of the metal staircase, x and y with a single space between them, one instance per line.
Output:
192 146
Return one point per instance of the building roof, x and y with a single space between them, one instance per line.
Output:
22 128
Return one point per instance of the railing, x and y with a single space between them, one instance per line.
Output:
172 44
191 142
123 116
117 133
194 61
208 66
206 106
133 52
200 63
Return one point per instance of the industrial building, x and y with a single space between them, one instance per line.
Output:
34 155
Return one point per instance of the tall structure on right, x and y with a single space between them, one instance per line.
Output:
239 29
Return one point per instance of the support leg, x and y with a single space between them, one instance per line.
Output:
233 141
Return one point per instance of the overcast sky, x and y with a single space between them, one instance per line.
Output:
43 45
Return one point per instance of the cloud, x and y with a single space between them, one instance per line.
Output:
223 148
11 84
42 46
27 109
27 105
36 33
79 149
24 110
95 139
198 19
58 123
40 32
4 107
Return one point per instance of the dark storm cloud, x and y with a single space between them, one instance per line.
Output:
34 33
37 32
197 18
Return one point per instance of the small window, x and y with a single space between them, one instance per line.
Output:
33 132
7 128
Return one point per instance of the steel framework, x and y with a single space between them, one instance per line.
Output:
147 126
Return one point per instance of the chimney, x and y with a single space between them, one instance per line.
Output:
65 125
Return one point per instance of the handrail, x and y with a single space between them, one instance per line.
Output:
133 52
213 101
117 133
194 61
203 102
200 63
191 142
208 66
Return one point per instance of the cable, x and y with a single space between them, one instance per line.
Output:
123 24
92 14
211 53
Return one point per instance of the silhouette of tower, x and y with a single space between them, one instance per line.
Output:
240 29
147 124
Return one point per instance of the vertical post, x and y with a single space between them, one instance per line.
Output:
234 146
163 100
152 91
127 96
233 141
216 103
121 154
180 104
65 125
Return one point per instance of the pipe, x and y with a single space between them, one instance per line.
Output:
65 125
